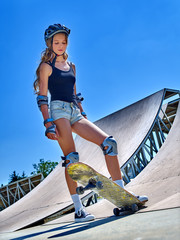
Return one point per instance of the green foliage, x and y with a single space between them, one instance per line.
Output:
44 167
15 177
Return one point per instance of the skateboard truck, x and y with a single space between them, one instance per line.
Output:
91 185
133 208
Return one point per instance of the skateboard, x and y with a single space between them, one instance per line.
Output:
106 188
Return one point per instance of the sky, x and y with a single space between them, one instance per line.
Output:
124 51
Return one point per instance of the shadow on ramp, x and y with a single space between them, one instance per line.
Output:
72 228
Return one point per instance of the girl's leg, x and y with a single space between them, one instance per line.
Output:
92 133
67 145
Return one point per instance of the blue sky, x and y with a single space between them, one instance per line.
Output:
124 50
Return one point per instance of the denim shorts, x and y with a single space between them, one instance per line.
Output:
60 109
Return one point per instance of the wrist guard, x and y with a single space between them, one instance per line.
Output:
50 129
48 120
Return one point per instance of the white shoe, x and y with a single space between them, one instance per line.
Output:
143 198
83 216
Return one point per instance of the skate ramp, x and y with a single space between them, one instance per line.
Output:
159 180
129 126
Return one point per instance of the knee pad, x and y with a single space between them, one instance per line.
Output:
70 158
109 146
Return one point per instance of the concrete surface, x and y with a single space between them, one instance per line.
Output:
158 225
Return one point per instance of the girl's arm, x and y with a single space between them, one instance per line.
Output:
45 72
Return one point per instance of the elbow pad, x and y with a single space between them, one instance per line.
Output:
79 97
42 100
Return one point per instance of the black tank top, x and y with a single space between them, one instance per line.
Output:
61 84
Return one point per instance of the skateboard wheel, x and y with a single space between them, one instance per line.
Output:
134 208
116 211
99 185
80 190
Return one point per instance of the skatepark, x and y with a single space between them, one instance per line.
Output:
148 137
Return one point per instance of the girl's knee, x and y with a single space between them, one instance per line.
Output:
109 146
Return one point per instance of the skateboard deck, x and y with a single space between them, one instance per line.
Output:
91 179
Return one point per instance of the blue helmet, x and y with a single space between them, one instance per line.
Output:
55 28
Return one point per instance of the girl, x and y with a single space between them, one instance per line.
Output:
58 76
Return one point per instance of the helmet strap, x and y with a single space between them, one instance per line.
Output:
56 55
54 60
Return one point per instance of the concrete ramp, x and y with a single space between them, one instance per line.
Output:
129 126
160 180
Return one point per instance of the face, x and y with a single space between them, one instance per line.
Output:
59 43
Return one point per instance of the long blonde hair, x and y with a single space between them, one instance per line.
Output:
46 56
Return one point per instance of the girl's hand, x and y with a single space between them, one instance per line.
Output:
51 132
52 136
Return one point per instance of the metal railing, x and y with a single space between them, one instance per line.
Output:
11 193
155 137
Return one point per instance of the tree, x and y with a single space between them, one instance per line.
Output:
15 177
44 167
23 175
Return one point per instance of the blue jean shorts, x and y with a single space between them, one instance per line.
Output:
60 109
